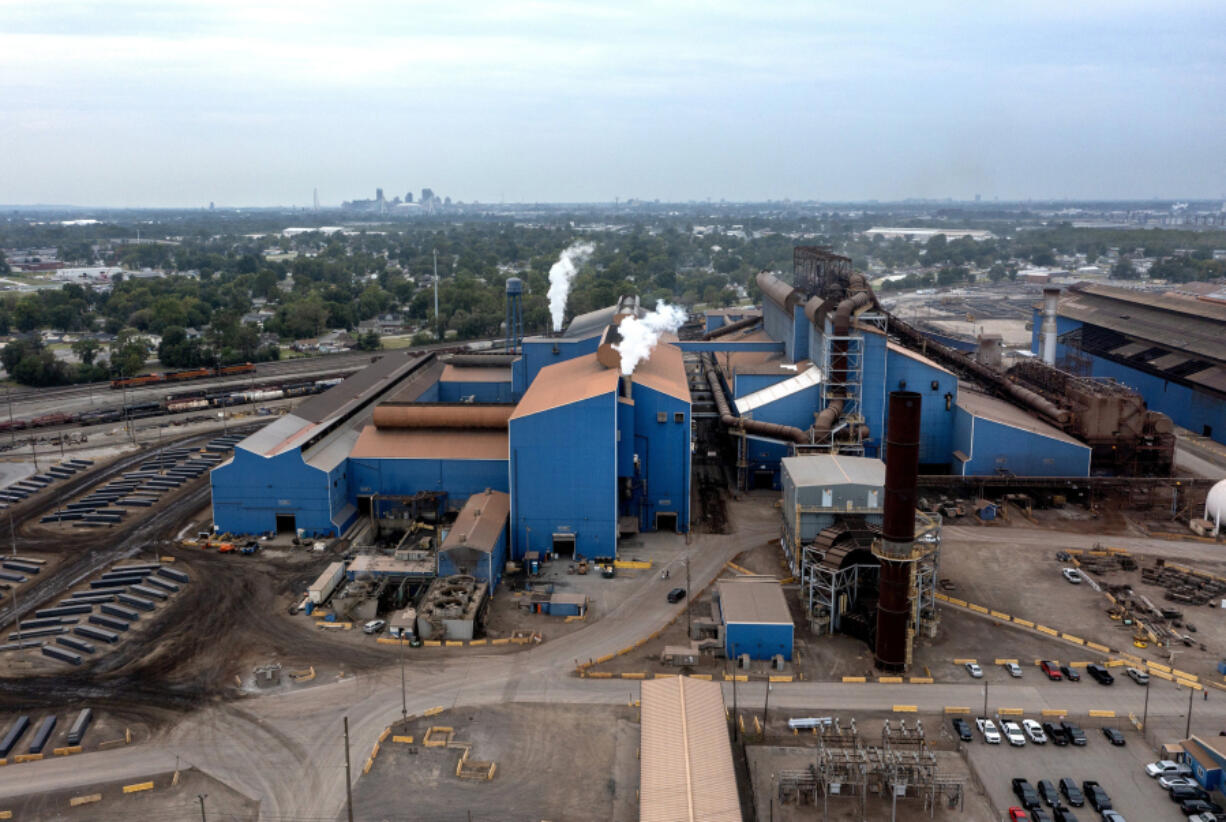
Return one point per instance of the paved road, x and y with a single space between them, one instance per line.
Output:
285 749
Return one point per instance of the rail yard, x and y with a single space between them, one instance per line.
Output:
796 530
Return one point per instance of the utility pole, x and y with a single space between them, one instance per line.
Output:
8 393
348 775
12 534
1145 713
689 632
736 719
202 797
766 709
985 699
404 705
438 327
1187 731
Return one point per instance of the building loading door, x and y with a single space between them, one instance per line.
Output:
286 524
666 522
564 545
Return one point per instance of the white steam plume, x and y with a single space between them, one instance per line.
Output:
560 275
640 336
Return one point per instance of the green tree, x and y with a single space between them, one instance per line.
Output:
1123 269
129 352
86 349
369 341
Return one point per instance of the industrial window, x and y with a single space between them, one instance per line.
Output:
678 417
662 416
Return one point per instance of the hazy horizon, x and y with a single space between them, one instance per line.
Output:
142 104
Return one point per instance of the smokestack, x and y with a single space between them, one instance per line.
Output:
898 530
1051 296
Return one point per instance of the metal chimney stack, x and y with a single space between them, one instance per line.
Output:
896 549
1051 297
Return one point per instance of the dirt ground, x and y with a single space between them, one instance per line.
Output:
575 763
164 801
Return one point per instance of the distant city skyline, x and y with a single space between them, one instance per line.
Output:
137 103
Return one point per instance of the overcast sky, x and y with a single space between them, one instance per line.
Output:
181 103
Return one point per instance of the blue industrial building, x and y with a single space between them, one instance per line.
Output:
1169 347
583 454
476 544
755 618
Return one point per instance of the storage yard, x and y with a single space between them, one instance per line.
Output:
549 553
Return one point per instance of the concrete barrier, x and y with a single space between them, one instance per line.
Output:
504 641
1023 622
1095 646
1010 711
921 680
636 675
599 675
403 740
845 679
1054 712
979 609
77 801
664 676
631 563
370 763
1102 714
781 678
960 602
138 787
19 758
67 751
964 660
1006 661
435 711
455 643
906 709
1074 639
1049 631
432 643
889 680
479 642
386 733
1183 683
1159 666
957 709
941 597
1001 615
707 677
736 677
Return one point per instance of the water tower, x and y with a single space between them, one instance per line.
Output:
515 313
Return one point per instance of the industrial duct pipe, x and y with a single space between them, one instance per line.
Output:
739 325
442 415
1051 298
479 360
766 429
780 292
898 530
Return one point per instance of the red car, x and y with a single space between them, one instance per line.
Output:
1051 669
1016 814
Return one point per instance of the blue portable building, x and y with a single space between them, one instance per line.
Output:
755 618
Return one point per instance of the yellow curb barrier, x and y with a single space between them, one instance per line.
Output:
1046 630
1023 622
957 709
942 597
500 641
631 563
1095 646
1195 686
636 675
977 608
455 643
404 740
1162 675
1006 661
1010 711
386 733
921 680
781 678
374 752
707 677
855 679
27 758
736 677
889 680
1078 664
473 642
604 658
370 763
665 676
138 787
961 602
1000 615
67 751
906 709
432 643
77 801
600 675
1078 640
1102 714
1054 712
435 711
739 569
964 660
6 814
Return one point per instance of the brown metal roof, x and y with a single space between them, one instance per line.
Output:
566 382
685 763
664 371
480 523
1214 378
1168 361
362 385
753 599
1174 323
465 373
430 444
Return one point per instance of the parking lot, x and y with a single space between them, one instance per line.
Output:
1120 770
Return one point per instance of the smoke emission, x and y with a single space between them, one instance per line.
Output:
560 275
639 337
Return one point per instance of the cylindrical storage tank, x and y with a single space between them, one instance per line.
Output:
515 286
1215 505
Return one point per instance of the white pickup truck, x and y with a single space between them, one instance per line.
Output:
1165 767
1013 732
988 729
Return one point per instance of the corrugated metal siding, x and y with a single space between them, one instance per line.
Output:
936 422
778 325
994 446
759 641
564 477
459 478
250 490
538 352
497 392
667 461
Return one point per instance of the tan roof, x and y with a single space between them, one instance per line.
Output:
753 599
480 522
464 373
664 371
430 444
566 382
1217 744
915 355
685 766
997 410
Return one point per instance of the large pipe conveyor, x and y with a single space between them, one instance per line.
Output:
442 415
766 429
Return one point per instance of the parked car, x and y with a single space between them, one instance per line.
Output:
1199 806
1113 816
1051 670
1165 767
1206 817
1025 793
962 729
1039 815
1013 733
1055 733
1063 814
1076 736
1100 674
1168 782
1138 676
1095 795
1017 814
974 670
1048 792
1014 670
374 626
1070 673
676 595
1072 793
988 729
1182 793
1035 731
1114 736
1072 575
